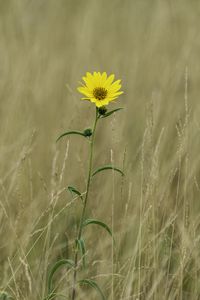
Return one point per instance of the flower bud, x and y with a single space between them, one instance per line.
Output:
88 132
102 110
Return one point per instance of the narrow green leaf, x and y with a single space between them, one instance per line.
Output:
53 295
50 296
108 167
111 112
57 265
94 285
81 246
75 191
97 222
70 132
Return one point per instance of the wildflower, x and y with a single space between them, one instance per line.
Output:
100 88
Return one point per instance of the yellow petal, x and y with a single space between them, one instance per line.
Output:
104 102
103 79
117 90
112 98
109 80
85 91
96 77
104 75
88 83
90 78
114 94
115 85
99 103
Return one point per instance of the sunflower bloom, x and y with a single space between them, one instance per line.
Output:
100 88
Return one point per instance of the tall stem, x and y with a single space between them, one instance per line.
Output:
84 205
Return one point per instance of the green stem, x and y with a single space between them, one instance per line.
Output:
84 205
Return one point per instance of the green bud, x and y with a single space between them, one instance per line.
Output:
88 132
102 110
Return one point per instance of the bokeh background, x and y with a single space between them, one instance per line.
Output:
46 46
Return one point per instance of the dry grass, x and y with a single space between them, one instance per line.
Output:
154 211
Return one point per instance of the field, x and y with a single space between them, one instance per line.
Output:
46 46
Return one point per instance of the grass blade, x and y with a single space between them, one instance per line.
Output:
54 295
97 222
57 265
108 167
94 285
81 246
75 191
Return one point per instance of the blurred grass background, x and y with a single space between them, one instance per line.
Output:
46 46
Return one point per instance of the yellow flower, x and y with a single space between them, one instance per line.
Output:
100 88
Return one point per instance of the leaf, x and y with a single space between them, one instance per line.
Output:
111 112
50 296
108 167
75 191
56 266
94 285
53 295
70 132
97 222
81 245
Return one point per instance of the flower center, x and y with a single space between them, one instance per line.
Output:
100 93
